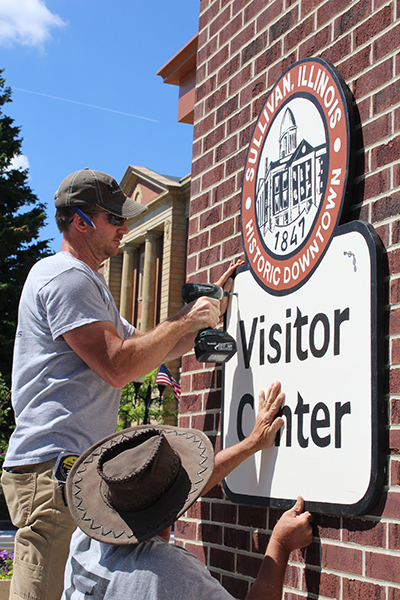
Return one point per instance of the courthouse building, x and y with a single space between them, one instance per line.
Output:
147 275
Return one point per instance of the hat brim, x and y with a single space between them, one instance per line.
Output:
95 187
125 207
101 521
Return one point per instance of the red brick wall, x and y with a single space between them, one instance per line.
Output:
244 46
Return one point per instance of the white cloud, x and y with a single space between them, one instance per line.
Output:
26 22
20 162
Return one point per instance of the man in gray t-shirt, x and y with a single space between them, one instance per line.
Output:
73 354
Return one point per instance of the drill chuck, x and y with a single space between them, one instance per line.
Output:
192 291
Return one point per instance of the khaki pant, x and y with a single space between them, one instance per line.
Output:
45 526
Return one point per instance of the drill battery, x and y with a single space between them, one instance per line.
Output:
214 345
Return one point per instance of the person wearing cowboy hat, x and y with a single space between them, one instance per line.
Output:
73 353
127 490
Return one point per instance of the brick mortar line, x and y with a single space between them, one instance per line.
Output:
362 547
306 595
327 47
368 174
270 24
303 566
316 30
388 111
364 204
210 228
392 276
238 527
382 142
216 245
360 578
370 147
382 222
333 542
233 215
220 203
375 90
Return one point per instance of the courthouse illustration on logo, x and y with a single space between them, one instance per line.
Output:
290 191
295 177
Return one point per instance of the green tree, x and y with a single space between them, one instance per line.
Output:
6 418
6 429
21 218
134 396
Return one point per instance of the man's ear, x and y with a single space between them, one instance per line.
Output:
83 219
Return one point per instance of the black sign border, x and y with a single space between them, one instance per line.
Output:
378 419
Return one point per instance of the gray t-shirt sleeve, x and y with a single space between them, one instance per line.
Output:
71 300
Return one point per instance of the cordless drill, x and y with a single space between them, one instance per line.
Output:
211 345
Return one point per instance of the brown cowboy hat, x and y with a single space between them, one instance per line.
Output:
135 483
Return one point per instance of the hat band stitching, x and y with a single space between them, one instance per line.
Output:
143 504
112 451
96 185
108 452
71 185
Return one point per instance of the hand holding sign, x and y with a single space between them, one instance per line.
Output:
293 529
226 282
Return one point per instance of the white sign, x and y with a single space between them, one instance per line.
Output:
321 342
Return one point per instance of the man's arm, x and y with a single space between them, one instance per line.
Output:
119 361
292 531
263 435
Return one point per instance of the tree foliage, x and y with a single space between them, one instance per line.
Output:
132 409
21 218
6 418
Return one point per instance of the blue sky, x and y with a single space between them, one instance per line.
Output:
64 58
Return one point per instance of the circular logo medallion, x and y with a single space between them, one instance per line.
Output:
296 175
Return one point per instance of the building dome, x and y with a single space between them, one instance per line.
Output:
288 134
288 122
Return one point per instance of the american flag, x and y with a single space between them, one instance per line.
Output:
165 377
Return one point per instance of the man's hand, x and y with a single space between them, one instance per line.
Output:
226 282
262 436
293 530
200 314
267 423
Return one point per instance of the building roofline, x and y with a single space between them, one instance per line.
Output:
181 64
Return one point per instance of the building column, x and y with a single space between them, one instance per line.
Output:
128 264
149 280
